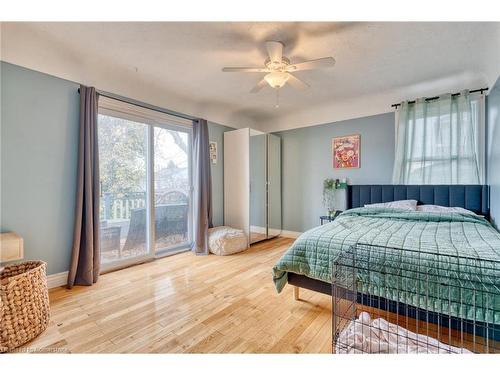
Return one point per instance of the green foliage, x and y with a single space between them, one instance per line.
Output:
329 193
122 155
328 184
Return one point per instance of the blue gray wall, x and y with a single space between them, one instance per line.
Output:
493 152
307 161
39 141
39 146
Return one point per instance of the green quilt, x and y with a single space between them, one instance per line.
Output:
455 234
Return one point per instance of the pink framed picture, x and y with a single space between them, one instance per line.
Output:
346 151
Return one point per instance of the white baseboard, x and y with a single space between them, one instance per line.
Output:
57 279
290 234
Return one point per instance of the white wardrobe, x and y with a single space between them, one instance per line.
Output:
252 183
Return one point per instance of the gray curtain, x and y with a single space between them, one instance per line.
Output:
202 183
84 267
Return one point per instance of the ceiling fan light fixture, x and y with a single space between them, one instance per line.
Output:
279 71
276 79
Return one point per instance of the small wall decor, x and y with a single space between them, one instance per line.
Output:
213 152
346 151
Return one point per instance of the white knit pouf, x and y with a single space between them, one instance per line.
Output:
226 240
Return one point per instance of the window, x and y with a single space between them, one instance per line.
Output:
440 141
145 176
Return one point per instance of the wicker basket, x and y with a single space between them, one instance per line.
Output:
24 303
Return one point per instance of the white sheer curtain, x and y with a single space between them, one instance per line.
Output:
440 141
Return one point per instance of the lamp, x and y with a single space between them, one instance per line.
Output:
276 79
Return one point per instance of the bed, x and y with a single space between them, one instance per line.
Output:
307 264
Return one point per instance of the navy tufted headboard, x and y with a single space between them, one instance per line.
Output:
472 197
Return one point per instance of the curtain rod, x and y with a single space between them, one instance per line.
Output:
143 105
437 97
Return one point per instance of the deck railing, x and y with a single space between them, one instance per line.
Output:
119 206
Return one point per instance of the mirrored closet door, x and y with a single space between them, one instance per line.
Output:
258 186
252 183
273 186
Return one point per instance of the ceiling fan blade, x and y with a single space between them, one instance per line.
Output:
275 51
297 83
245 70
325 62
259 86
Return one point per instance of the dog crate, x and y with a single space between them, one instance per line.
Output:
390 300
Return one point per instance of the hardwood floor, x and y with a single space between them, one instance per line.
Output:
191 304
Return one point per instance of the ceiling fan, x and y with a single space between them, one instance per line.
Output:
279 69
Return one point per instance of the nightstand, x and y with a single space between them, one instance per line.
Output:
329 219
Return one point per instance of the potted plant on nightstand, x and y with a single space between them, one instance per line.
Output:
329 186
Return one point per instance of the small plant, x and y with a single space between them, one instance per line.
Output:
329 186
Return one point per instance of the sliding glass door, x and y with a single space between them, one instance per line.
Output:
145 180
172 186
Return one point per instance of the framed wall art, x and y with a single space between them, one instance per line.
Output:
346 151
212 147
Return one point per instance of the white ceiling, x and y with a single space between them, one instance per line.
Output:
178 65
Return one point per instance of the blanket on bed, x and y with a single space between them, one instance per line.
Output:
457 234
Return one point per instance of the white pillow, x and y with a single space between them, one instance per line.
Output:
409 204
436 208
226 240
